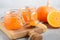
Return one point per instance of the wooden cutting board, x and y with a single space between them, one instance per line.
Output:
13 34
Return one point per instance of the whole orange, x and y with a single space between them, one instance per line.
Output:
42 13
11 22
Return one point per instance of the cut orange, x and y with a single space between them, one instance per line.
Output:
53 19
29 15
34 19
25 16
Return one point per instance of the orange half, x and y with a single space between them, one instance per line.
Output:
53 19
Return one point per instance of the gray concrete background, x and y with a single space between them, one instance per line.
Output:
15 4
6 5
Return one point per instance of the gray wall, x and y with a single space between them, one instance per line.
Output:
22 3
13 4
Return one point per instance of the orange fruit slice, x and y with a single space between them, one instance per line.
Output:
34 19
53 19
25 16
29 15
